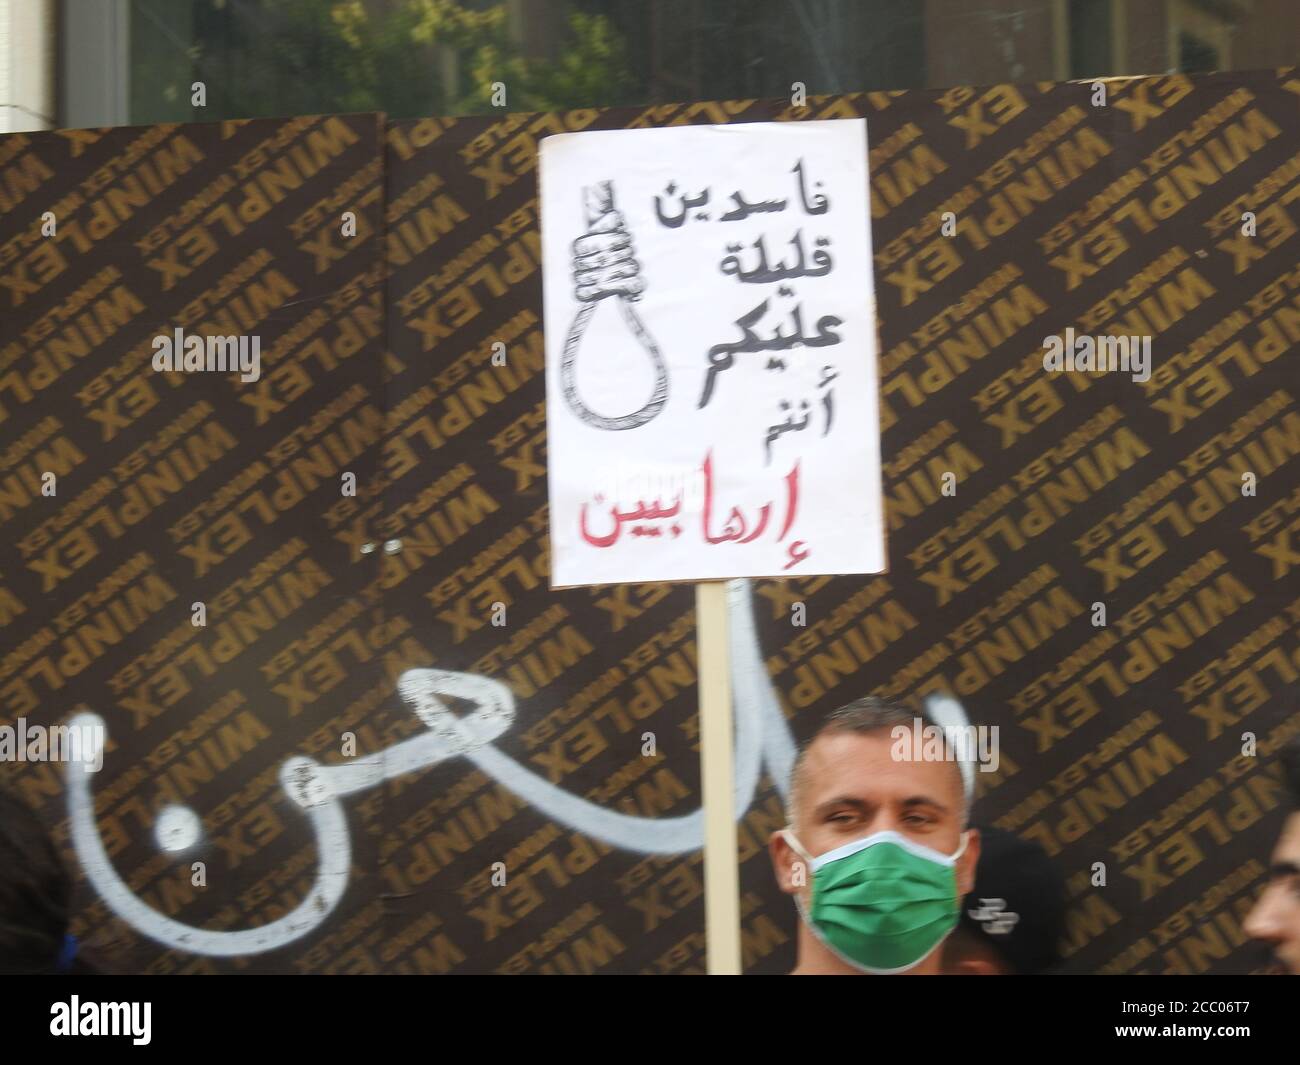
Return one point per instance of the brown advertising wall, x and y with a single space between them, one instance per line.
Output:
1120 744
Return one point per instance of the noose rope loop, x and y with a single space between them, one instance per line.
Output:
621 278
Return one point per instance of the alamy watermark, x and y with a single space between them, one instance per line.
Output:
21 742
1086 354
192 354
74 1017
948 743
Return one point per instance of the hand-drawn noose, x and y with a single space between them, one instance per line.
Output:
599 275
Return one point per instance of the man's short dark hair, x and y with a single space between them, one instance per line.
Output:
35 891
870 713
1016 908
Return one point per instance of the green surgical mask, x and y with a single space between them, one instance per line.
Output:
882 903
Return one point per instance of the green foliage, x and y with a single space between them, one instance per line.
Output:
406 57
592 71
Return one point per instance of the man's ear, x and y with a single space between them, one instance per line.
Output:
790 869
967 862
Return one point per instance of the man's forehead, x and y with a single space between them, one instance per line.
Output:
861 765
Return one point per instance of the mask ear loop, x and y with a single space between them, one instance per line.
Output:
965 838
956 883
788 835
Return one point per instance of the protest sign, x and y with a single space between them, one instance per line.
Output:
711 353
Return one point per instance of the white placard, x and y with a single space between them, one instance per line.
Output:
710 353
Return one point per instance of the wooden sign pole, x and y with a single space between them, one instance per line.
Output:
718 777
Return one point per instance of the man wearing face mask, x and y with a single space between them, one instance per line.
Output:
878 854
